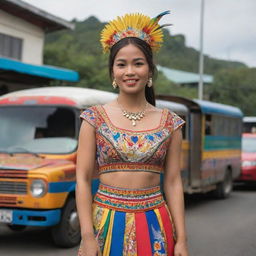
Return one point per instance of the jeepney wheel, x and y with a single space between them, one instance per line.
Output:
225 187
67 232
16 227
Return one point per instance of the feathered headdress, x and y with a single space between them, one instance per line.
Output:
134 25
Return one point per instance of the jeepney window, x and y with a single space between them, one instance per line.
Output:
249 127
249 144
60 123
37 129
226 126
208 124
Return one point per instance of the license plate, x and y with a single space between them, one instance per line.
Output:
5 216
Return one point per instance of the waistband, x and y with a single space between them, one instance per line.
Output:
130 167
129 200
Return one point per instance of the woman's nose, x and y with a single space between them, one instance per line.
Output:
129 70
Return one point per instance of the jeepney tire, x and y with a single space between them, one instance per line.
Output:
225 187
65 234
16 228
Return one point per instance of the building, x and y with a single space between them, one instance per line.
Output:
183 77
22 33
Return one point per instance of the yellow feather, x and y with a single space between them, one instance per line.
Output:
140 25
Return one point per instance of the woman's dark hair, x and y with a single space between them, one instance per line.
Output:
145 48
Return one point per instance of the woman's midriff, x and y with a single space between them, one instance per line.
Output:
133 180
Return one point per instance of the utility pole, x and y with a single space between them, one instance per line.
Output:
201 59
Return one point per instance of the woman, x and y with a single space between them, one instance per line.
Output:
133 143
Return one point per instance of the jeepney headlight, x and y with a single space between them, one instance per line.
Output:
249 163
38 188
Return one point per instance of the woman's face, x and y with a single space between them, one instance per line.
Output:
130 69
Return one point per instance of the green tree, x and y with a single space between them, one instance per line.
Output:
236 87
80 50
166 87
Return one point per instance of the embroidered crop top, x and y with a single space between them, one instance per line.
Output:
119 149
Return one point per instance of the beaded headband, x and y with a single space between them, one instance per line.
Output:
134 25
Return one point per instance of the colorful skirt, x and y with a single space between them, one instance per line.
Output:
129 222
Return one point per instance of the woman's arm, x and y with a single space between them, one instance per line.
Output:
84 170
173 186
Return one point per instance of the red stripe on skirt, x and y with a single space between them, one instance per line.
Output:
168 230
142 235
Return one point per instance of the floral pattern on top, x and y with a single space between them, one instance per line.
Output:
120 149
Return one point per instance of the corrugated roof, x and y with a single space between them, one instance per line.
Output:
218 108
35 15
173 106
183 77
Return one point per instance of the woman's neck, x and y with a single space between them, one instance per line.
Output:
132 103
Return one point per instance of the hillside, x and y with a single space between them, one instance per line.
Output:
174 53
80 49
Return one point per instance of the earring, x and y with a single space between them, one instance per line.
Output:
150 82
114 84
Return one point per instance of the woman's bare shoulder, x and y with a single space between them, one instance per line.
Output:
110 104
154 108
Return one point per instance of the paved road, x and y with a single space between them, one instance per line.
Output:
223 227
215 228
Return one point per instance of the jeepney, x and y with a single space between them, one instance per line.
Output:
38 142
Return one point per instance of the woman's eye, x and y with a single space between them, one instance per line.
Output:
139 63
120 64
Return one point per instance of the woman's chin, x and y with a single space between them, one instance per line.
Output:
131 89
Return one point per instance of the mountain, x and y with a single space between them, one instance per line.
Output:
80 50
84 40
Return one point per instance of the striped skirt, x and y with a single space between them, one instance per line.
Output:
129 222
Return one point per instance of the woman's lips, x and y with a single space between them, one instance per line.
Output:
131 82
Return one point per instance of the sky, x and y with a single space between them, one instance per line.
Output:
229 25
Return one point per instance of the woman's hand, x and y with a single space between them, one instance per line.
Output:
89 247
180 249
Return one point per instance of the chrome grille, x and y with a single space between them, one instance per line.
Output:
13 174
10 187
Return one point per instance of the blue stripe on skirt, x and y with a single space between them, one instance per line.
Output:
118 234
156 236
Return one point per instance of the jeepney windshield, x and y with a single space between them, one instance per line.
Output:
249 145
37 129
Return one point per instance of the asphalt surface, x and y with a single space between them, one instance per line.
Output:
215 228
223 227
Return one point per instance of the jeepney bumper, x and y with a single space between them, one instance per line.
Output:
45 218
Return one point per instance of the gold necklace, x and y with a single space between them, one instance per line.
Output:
133 116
